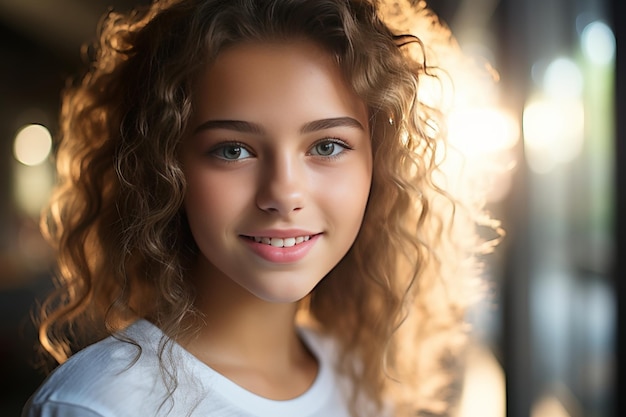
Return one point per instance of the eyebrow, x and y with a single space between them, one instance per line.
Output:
236 125
322 124
249 127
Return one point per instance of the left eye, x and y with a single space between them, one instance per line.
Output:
232 152
328 148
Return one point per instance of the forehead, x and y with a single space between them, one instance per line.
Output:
257 79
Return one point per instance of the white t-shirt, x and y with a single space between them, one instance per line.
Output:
104 381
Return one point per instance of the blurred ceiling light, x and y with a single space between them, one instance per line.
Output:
563 78
598 43
553 131
32 144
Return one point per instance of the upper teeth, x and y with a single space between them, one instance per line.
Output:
281 243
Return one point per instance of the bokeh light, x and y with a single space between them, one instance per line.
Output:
479 131
598 43
553 132
554 119
563 78
32 144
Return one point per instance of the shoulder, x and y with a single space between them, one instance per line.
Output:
103 378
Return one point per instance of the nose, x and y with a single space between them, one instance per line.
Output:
282 185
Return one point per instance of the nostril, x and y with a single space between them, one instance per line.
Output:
280 203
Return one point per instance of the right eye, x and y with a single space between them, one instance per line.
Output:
231 152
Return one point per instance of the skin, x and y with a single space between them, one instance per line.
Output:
280 146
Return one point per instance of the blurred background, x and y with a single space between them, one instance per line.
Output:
549 336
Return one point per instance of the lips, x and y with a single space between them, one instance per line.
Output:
279 242
288 248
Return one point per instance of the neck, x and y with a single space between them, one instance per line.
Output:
252 342
239 328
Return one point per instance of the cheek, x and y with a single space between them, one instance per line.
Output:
214 199
345 194
358 191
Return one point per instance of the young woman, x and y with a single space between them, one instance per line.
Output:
249 220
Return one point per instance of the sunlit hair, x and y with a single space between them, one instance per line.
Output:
395 302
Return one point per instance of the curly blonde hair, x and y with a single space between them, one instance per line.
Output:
395 302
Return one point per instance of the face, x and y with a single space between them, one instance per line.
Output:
278 167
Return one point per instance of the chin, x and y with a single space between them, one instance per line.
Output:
283 295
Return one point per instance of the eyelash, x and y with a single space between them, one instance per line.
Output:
336 141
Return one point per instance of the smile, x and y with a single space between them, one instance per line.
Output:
278 242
